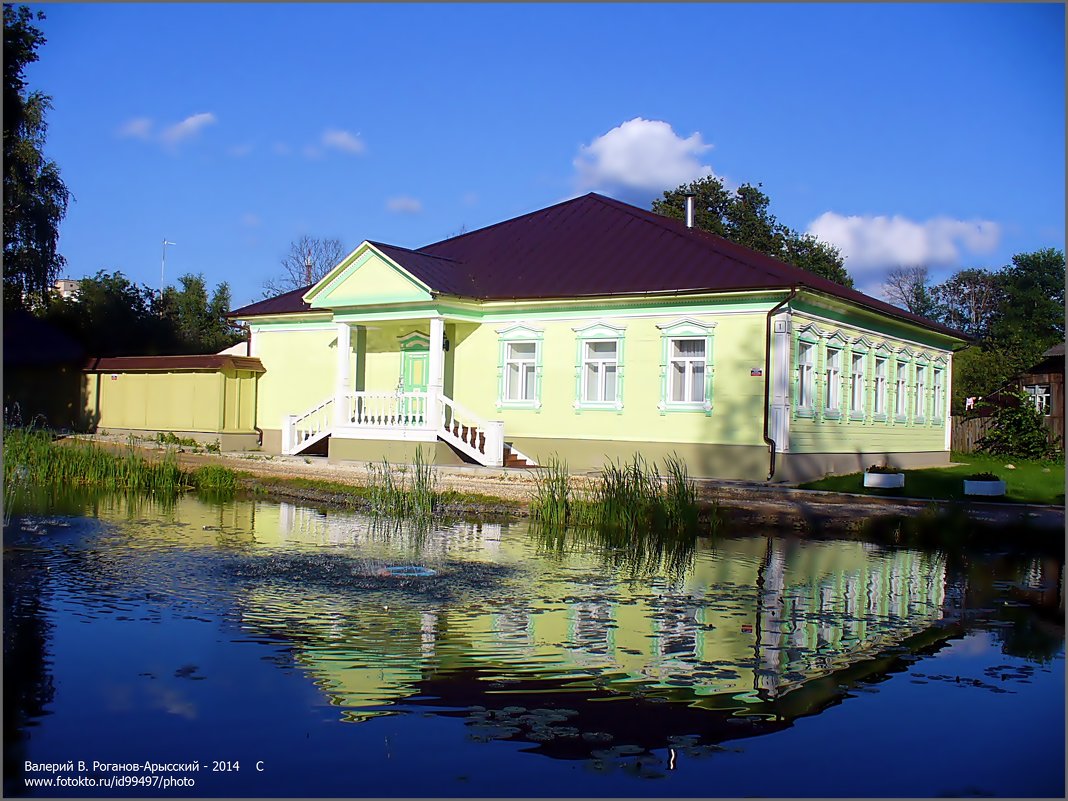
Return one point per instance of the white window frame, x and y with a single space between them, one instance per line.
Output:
901 388
518 335
856 384
597 333
686 329
1043 401
806 376
937 389
528 367
832 390
881 386
919 398
600 365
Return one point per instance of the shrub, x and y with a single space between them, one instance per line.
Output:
882 468
982 477
1018 431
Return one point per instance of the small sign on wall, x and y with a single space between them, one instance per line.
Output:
114 376
756 371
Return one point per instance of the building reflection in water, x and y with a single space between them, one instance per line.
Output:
750 621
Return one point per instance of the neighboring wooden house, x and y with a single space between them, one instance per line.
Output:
593 330
1045 384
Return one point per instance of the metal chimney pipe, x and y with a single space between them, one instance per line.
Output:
308 268
689 210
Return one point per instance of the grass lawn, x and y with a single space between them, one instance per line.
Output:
1030 482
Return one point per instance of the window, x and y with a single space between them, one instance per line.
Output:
520 364
519 369
880 386
833 374
856 385
600 369
686 366
920 398
1040 395
936 401
686 371
901 383
805 384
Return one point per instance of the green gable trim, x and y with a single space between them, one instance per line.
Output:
846 314
366 277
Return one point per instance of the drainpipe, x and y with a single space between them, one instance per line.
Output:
689 209
767 377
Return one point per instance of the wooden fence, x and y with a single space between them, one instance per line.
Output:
965 433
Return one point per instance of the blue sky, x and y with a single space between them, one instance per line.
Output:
902 133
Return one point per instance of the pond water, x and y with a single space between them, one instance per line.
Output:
280 651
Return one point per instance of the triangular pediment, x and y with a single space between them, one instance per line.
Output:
366 277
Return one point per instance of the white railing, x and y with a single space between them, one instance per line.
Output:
385 410
301 430
482 440
387 414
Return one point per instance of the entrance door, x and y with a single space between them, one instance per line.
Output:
415 372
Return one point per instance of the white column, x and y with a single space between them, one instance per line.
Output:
344 349
947 400
436 379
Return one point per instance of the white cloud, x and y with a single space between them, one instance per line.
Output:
137 128
404 205
189 127
170 136
643 155
872 244
240 151
344 141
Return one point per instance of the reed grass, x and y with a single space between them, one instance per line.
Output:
402 493
33 457
631 499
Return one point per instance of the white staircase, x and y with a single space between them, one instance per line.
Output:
409 416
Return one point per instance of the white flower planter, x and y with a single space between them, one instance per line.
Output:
992 488
884 480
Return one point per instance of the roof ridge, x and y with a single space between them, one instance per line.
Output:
504 222
412 250
670 224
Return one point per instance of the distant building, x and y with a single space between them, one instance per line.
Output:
67 288
1044 382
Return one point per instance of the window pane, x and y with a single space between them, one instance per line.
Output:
591 391
528 381
610 383
678 381
600 350
693 348
697 391
512 390
521 350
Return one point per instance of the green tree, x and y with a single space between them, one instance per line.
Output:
112 316
35 197
1032 314
198 323
744 217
